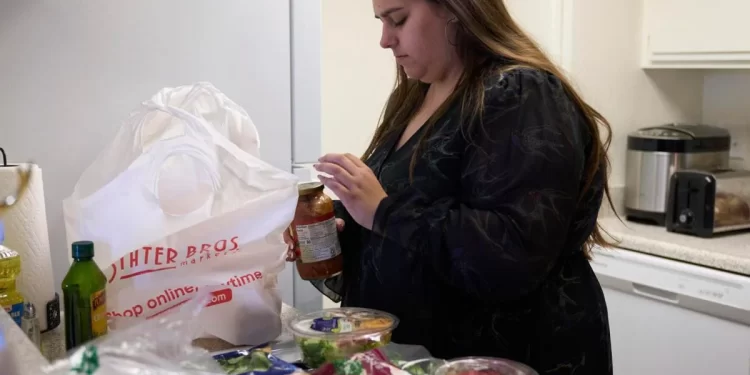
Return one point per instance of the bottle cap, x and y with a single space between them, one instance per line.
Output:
83 249
29 311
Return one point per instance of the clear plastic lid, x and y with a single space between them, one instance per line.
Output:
343 322
484 366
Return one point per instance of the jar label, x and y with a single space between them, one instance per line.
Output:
16 312
318 241
99 313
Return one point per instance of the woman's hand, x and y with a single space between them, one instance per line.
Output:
354 184
291 254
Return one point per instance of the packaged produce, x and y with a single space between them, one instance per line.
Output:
373 362
255 361
10 267
484 366
414 359
315 236
162 345
336 334
84 297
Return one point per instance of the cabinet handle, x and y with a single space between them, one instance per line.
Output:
656 293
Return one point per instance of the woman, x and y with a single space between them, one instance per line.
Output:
472 214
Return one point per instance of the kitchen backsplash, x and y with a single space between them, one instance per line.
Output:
726 103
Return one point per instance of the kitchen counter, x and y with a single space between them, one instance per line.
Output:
730 252
29 358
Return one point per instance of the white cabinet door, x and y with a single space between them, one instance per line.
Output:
669 317
547 22
650 336
697 33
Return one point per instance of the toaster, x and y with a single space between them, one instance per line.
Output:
705 203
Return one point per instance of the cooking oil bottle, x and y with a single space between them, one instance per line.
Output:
85 298
10 267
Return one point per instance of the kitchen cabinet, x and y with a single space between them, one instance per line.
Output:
704 34
548 22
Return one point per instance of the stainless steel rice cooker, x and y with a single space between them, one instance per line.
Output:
654 153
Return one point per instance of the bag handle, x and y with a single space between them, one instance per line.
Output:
195 128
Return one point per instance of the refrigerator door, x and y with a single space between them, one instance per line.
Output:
306 87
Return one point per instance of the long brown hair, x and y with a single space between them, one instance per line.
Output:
485 32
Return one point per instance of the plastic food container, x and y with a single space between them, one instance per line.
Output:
484 366
426 366
335 334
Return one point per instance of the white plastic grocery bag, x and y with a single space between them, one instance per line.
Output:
179 201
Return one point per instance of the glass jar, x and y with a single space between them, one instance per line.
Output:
316 241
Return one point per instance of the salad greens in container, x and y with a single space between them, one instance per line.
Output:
337 334
484 366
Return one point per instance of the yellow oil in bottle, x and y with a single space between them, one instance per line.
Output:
10 267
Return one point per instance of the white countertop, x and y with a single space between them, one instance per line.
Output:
730 252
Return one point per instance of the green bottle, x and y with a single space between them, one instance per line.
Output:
84 297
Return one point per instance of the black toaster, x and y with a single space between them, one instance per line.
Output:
703 203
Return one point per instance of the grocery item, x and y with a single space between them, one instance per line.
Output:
335 334
414 359
255 361
181 202
372 362
315 237
10 266
155 346
30 324
484 366
85 297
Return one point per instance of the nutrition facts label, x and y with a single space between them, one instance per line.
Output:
319 241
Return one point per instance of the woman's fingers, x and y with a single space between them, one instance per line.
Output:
336 187
356 161
288 237
340 224
341 160
337 171
291 254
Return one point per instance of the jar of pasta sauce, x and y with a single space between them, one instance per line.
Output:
315 236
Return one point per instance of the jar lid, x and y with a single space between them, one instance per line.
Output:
307 188
343 322
6 253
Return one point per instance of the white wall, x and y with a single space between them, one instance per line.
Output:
726 102
606 46
357 75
